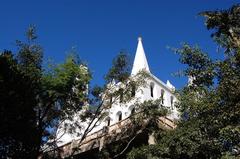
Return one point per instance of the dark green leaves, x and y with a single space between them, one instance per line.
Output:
225 24
211 102
200 66
120 70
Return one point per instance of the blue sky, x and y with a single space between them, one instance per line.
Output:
100 29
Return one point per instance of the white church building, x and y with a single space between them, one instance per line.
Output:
154 89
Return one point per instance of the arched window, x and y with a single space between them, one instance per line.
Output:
171 99
151 89
162 95
132 111
119 116
108 121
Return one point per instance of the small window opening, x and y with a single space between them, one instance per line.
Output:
120 116
162 96
171 101
132 111
108 122
151 89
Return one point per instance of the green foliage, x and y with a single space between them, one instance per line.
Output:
20 87
34 101
149 112
225 24
121 87
17 92
120 70
64 92
144 121
145 152
185 142
30 54
68 80
200 66
210 105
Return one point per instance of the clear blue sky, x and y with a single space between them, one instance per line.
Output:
101 28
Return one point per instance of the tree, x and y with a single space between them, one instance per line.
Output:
34 100
39 99
143 124
18 118
102 98
209 127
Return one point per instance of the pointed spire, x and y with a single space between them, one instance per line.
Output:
140 61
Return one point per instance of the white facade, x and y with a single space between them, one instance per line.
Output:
154 89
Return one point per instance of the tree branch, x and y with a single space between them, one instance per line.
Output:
117 155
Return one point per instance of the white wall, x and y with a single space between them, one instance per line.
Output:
143 94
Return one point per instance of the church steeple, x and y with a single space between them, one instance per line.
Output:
140 60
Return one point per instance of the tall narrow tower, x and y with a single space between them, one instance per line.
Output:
140 60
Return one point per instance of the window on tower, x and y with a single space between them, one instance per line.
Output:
108 121
119 116
132 111
110 100
151 89
171 101
162 96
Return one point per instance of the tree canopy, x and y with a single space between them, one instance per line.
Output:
35 100
210 105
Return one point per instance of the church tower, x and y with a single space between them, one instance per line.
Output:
140 60
119 112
